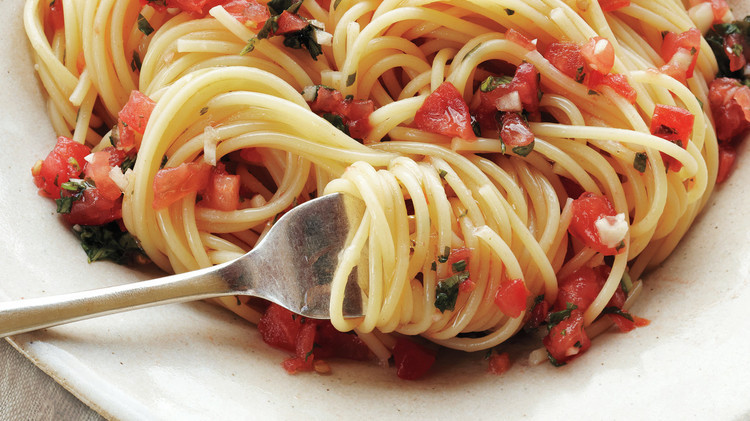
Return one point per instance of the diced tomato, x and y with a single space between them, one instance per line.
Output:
612 5
355 114
289 22
718 7
251 155
599 54
730 106
586 210
466 286
626 325
55 17
680 52
580 288
412 360
735 47
245 11
499 363
98 169
80 62
567 339
444 111
538 314
674 124
174 183
125 137
324 4
223 191
94 209
515 130
517 37
511 296
727 155
304 358
525 83
330 343
136 112
279 327
191 6
620 84
456 255
65 161
567 58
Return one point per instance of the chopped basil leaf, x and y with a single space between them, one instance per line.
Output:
446 292
558 316
716 37
108 242
626 283
737 50
580 75
337 121
459 266
351 79
336 4
475 126
640 161
492 82
164 160
144 26
693 51
554 361
65 204
617 311
203 110
510 12
135 63
593 92
446 253
433 266
128 163
305 37
250 46
524 150
442 173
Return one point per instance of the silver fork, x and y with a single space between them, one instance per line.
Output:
292 266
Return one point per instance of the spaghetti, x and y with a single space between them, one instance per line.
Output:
462 216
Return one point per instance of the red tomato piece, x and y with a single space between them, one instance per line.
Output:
599 54
223 191
174 183
251 155
65 161
246 11
517 37
136 112
467 286
511 296
445 112
525 82
289 22
515 130
98 170
499 363
626 325
567 58
727 155
330 343
674 124
94 209
730 106
587 209
680 52
355 114
279 327
412 360
567 339
580 288
718 7
55 16
620 84
191 6
612 5
538 314
735 47
456 255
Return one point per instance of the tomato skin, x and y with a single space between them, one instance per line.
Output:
612 5
354 113
94 209
620 84
289 22
445 112
586 210
674 124
511 296
538 314
499 363
223 191
330 343
456 255
567 58
174 183
567 339
599 54
412 360
688 42
730 106
98 169
515 131
245 11
727 155
580 288
279 327
65 161
732 42
136 112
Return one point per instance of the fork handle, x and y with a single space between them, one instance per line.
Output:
26 315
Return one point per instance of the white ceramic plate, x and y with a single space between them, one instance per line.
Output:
195 361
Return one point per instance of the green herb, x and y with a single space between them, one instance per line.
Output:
640 161
304 37
108 242
620 245
433 266
144 26
559 316
446 292
554 361
524 150
74 191
158 3
459 266
337 121
203 110
164 160
492 82
336 4
580 75
475 127
510 12
626 283
135 63
693 51
313 194
715 38
593 92
617 311
446 253
128 163
442 173
737 50
351 79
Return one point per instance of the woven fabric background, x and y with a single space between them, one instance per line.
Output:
27 393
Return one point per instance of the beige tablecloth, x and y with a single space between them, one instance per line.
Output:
27 393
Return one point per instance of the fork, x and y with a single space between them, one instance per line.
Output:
292 266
